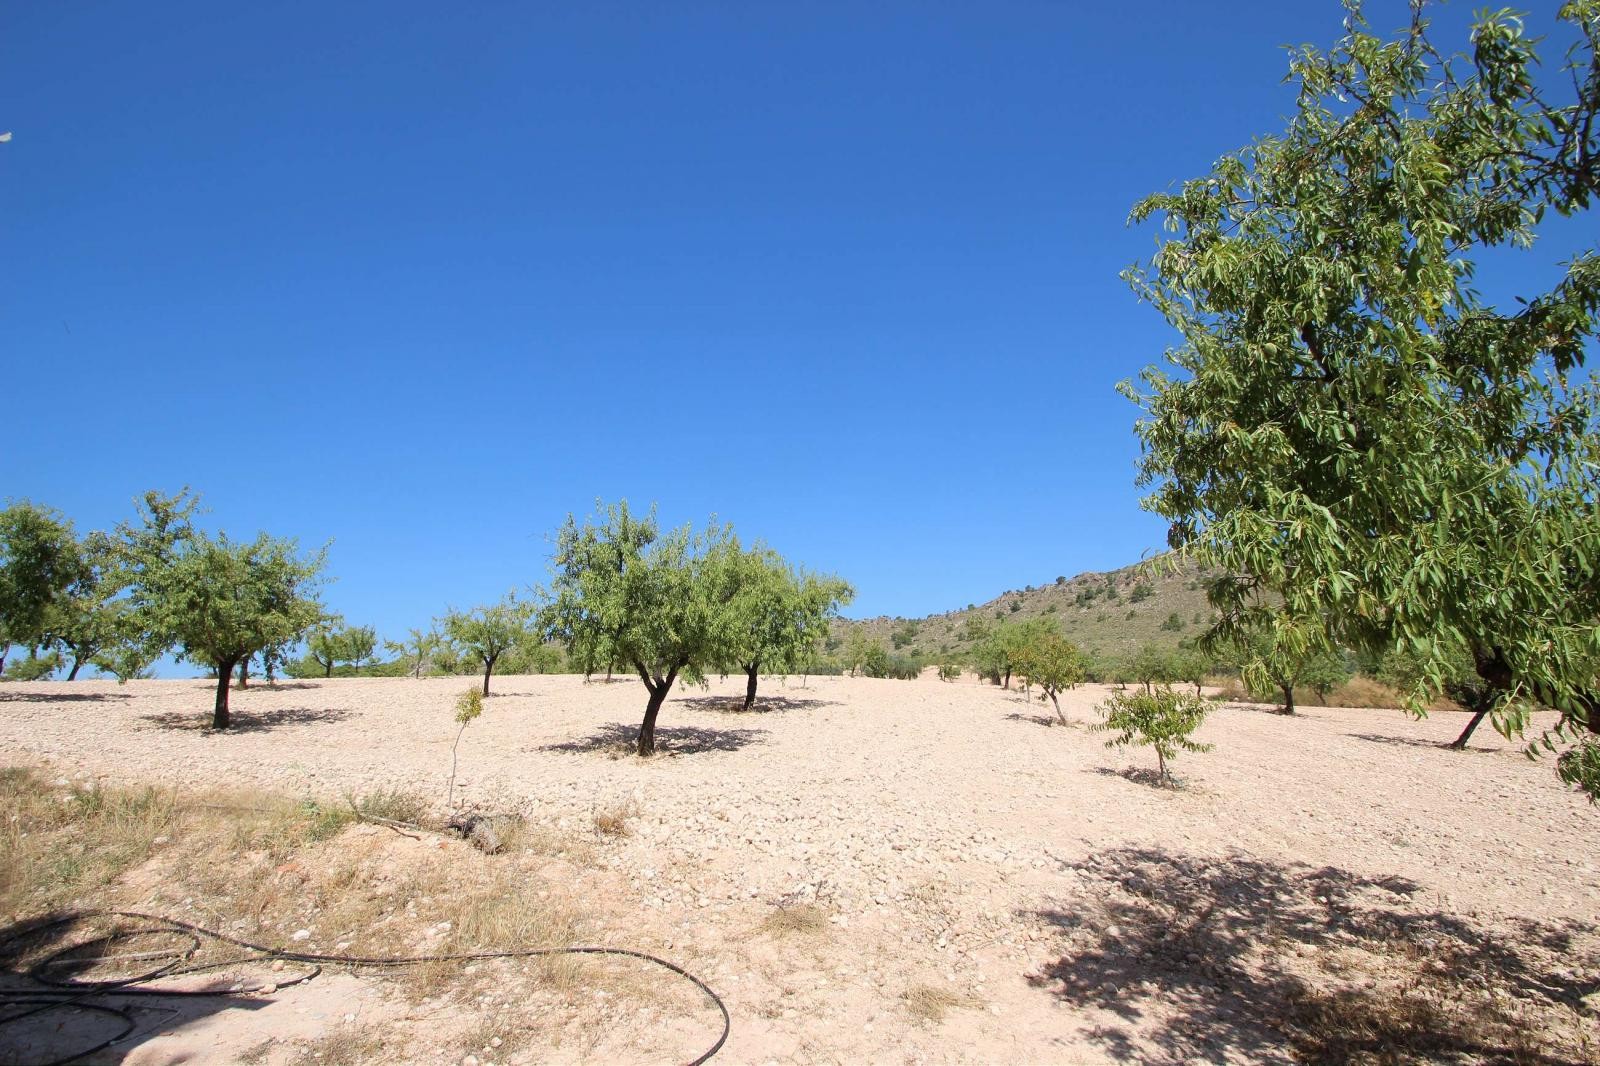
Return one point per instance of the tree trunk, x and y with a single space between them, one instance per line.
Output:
77 662
1288 698
608 673
244 673
488 668
647 730
1007 682
1492 669
1466 734
219 715
327 668
750 685
1161 761
1057 706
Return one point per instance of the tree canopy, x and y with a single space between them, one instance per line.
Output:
1371 453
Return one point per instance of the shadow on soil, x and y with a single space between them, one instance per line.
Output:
763 704
246 722
1214 959
618 740
1418 742
37 1026
1140 775
1037 719
61 697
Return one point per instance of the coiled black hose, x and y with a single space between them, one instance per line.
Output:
58 993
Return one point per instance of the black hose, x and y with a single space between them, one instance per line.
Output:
72 993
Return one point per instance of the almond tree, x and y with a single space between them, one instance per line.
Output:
1376 456
1052 663
487 633
627 593
774 613
220 601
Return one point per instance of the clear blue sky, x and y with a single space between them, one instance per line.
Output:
423 278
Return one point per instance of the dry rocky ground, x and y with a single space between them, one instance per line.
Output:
867 870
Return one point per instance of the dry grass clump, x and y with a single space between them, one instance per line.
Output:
612 821
929 1003
795 918
346 1046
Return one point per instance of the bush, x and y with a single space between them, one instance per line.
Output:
1162 719
1141 593
949 671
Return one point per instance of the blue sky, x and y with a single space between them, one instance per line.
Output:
421 279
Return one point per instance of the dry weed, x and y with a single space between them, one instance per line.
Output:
796 918
345 1046
612 821
928 1003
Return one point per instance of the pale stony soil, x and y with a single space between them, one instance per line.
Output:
1311 868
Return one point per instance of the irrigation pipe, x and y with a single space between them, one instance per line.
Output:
57 993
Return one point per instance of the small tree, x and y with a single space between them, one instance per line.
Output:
949 671
1161 718
1152 665
487 633
326 646
418 649
1053 664
627 593
357 644
469 705
774 614
1192 666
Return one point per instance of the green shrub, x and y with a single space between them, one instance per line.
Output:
949 671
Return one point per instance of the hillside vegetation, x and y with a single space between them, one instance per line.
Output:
1113 614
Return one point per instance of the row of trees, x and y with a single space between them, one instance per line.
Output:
625 595
158 584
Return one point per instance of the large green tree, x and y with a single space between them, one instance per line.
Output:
220 601
627 593
1372 453
775 614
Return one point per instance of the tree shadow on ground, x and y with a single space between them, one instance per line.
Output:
1040 719
763 704
1419 742
248 722
41 1021
61 697
616 740
1213 959
1142 775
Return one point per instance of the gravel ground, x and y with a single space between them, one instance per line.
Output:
1063 908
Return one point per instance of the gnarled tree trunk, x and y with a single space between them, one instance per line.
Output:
1288 698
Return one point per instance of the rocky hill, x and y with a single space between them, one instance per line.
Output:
1111 614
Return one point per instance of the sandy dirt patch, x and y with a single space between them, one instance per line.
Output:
916 871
